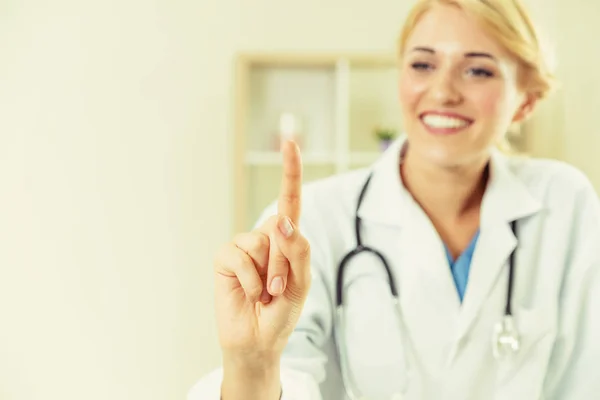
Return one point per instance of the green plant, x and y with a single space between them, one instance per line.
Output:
385 133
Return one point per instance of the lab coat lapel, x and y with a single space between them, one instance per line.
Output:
387 203
419 253
431 284
506 200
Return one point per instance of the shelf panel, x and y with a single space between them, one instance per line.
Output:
275 158
312 59
328 102
263 183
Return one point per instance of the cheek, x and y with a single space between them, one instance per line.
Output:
491 103
410 92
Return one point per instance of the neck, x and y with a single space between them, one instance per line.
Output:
446 193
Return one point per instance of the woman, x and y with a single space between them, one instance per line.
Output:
460 226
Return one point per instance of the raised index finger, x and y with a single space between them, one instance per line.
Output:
291 184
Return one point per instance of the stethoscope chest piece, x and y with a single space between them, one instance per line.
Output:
506 341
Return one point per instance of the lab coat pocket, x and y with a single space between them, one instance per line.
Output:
371 336
521 376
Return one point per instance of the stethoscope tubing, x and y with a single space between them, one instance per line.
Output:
361 248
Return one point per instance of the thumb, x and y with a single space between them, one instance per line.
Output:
294 248
278 268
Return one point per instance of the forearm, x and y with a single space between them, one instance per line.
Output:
242 382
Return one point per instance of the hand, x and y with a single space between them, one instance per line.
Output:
262 279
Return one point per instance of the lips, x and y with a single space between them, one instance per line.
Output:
444 123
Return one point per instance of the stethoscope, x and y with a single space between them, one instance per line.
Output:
505 339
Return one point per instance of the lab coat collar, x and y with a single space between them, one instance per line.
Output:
387 201
506 198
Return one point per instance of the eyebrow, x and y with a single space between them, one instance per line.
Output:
467 55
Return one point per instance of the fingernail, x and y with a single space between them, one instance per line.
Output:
285 226
277 285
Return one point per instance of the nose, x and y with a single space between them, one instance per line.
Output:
444 88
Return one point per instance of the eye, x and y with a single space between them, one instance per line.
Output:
421 66
480 73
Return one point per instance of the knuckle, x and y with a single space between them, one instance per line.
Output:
240 261
298 295
303 249
293 175
291 198
221 255
265 242
246 262
280 264
270 223
260 242
239 238
307 280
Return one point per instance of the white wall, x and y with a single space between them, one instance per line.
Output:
580 66
114 195
115 182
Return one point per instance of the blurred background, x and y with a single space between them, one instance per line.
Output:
128 145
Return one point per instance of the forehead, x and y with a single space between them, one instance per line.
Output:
449 29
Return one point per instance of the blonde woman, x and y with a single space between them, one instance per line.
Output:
446 270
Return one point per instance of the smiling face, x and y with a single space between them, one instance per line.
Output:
458 89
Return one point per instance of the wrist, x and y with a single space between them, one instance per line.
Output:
256 379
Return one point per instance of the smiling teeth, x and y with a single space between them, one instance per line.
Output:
438 121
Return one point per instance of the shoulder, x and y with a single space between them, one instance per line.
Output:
547 173
554 182
571 204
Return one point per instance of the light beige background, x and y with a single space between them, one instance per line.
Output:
115 138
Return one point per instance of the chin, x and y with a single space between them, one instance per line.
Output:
444 157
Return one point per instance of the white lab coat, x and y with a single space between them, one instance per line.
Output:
556 299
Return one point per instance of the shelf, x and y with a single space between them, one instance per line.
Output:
329 103
274 158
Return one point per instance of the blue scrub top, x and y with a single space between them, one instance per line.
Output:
460 267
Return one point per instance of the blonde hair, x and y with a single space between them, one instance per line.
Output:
508 22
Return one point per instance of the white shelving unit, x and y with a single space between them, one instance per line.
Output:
338 99
343 162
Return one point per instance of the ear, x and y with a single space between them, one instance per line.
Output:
526 108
